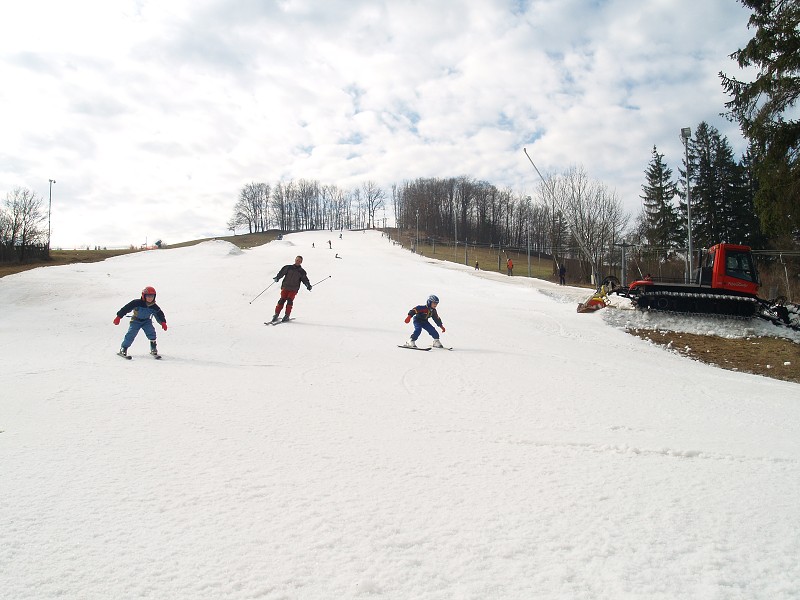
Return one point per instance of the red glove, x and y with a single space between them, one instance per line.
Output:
116 320
164 326
408 319
443 329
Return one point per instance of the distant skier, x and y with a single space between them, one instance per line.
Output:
421 314
562 274
510 267
144 309
293 276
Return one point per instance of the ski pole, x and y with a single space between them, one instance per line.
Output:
321 280
262 291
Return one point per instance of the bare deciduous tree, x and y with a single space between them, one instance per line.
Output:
251 209
593 215
373 200
23 221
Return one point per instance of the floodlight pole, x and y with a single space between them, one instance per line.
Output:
49 209
686 133
529 235
624 245
416 241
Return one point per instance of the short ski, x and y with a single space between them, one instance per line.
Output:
125 356
412 348
156 356
442 347
278 322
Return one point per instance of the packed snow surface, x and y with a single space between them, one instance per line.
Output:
550 455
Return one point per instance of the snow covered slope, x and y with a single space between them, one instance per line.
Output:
549 456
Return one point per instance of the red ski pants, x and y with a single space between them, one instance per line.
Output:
287 297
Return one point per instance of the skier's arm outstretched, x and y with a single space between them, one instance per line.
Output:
280 274
128 308
437 319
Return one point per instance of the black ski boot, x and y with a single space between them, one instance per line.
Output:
285 318
275 317
154 350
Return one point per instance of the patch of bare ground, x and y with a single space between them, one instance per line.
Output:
770 357
66 257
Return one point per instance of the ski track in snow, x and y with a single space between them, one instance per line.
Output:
550 456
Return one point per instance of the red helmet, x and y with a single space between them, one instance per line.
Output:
148 291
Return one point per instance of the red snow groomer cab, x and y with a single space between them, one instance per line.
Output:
725 284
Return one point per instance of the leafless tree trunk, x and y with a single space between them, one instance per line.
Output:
25 216
373 200
593 214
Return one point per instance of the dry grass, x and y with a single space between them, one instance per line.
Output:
61 257
66 257
771 357
489 259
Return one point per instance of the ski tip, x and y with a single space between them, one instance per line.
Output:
412 347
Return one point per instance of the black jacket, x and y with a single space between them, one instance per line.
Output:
293 276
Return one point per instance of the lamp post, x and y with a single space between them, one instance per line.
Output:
416 240
49 209
686 133
624 245
528 199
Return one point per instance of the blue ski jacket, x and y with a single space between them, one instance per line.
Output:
423 312
142 311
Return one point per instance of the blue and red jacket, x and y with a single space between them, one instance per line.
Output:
142 311
423 312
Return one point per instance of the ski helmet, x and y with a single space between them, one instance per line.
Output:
149 290
432 298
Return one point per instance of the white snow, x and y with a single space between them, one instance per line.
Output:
550 455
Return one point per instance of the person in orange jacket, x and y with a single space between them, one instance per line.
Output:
510 266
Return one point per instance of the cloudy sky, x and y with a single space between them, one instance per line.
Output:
152 114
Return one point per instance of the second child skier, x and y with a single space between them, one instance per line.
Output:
421 314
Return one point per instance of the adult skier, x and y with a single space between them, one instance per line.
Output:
144 309
421 314
293 276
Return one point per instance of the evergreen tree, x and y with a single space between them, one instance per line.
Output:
722 208
703 213
730 193
661 226
750 232
764 109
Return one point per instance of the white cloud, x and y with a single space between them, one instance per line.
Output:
188 101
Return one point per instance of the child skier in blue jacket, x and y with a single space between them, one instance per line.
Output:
421 314
143 309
